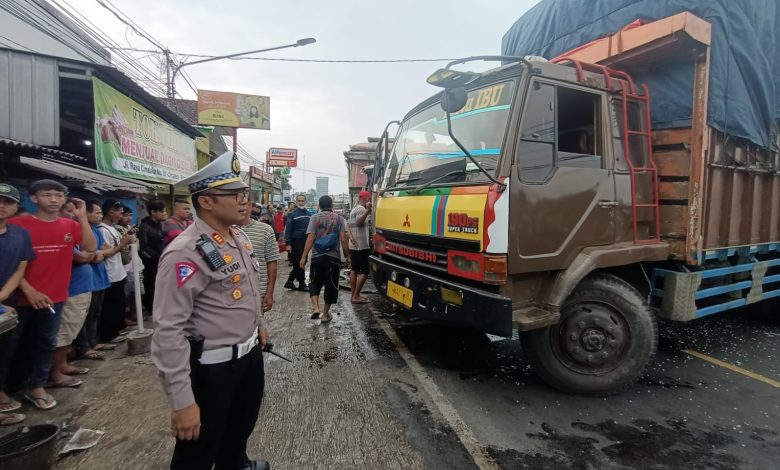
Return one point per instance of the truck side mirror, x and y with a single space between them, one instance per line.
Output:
453 99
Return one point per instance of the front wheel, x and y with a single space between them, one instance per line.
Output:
603 341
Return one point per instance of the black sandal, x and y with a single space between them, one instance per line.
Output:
315 315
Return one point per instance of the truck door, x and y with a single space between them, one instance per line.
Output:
562 193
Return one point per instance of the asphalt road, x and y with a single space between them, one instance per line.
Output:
684 412
368 391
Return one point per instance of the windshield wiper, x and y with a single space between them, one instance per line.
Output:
419 188
501 186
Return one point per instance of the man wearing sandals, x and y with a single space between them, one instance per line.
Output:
359 246
209 329
326 233
73 314
45 284
86 345
15 251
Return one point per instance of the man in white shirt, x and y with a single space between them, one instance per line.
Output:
112 319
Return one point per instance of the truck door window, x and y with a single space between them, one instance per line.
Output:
536 150
579 136
560 129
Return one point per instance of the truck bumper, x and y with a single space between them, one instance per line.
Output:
437 299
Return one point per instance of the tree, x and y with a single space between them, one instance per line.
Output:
311 196
284 175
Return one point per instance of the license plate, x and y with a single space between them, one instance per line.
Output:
400 294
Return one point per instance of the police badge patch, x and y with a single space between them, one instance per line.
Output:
184 271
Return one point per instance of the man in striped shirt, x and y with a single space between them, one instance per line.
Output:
265 251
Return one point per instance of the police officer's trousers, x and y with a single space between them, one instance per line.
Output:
229 396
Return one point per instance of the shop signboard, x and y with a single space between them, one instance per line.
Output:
203 144
222 108
133 142
261 175
280 157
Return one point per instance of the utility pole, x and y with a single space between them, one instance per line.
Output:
177 68
172 75
169 83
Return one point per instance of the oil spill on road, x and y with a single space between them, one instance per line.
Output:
561 451
320 358
764 435
665 381
608 444
510 458
673 444
379 341
436 442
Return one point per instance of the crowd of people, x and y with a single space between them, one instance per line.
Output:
67 270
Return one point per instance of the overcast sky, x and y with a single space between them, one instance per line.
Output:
320 109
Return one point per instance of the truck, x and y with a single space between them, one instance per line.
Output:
538 197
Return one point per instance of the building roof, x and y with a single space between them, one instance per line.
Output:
41 151
188 110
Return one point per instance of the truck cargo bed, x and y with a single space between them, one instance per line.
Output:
734 203
716 193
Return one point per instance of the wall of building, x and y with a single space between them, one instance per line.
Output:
29 98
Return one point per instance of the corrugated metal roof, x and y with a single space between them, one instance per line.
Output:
91 179
41 150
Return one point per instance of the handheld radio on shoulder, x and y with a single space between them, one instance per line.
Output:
209 250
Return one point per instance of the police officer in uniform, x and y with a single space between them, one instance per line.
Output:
209 329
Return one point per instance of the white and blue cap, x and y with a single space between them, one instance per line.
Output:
222 173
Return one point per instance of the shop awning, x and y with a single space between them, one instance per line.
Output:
40 150
92 180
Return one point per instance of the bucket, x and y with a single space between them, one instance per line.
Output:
29 448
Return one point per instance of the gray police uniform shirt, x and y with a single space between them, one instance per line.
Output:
190 299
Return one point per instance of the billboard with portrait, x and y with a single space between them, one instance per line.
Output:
221 108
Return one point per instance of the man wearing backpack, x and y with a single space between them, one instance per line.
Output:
327 233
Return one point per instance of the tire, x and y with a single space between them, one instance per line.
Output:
604 339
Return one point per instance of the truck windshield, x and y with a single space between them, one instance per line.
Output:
424 150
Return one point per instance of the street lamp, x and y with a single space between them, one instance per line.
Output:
172 81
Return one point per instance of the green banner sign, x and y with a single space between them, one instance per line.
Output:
132 141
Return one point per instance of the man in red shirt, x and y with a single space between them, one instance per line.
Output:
279 221
173 226
45 285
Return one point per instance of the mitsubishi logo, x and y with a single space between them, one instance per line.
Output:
406 221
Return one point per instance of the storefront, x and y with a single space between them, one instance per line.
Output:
89 126
261 185
24 163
